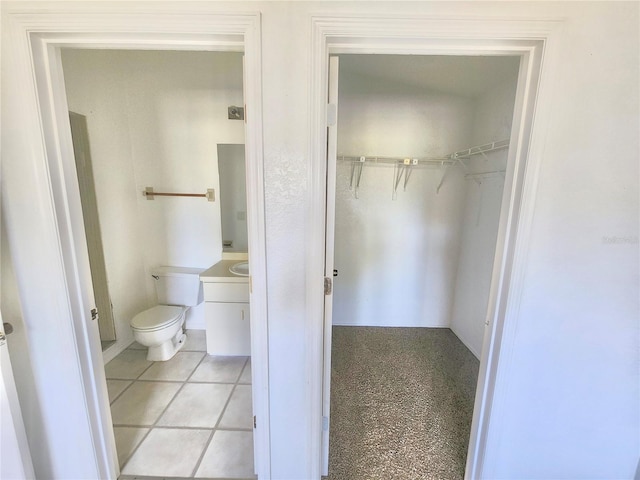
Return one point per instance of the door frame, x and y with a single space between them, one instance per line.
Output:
41 157
536 42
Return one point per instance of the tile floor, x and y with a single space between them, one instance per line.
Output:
189 417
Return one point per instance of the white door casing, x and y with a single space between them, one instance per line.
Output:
435 36
39 175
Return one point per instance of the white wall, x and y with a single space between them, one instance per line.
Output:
397 258
567 392
483 198
154 119
566 399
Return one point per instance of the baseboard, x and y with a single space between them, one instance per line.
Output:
466 343
116 349
387 325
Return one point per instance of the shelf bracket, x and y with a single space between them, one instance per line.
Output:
356 175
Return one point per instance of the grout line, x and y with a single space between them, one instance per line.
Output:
155 424
197 366
202 454
124 463
244 367
144 371
224 409
111 402
128 457
163 411
144 477
179 427
217 426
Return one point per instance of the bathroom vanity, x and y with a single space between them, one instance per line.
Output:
226 310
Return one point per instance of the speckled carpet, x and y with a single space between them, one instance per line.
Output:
401 403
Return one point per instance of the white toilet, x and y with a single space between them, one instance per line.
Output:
161 327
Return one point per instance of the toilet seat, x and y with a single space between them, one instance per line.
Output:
157 318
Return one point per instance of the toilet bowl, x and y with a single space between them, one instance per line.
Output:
160 329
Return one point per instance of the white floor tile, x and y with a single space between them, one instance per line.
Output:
128 365
168 453
143 403
245 378
136 346
177 368
127 439
239 411
116 387
197 405
229 455
219 369
196 341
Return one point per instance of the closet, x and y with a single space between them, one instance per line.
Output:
422 148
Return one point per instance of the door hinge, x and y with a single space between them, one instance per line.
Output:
332 114
327 285
94 313
254 421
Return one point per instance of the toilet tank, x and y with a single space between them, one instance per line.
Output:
178 285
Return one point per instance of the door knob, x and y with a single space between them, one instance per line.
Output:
8 328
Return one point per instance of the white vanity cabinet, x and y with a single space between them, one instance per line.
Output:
226 310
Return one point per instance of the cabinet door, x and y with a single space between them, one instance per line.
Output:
228 328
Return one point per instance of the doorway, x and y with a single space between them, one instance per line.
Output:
425 36
420 156
158 119
77 332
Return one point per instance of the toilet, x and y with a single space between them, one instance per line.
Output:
160 328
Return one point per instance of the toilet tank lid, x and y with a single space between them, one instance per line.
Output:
167 271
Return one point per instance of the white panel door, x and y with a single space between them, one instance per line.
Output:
15 457
332 149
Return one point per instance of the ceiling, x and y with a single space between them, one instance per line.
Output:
467 76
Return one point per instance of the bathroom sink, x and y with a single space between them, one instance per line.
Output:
240 268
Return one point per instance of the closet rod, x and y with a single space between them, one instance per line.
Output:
150 194
481 175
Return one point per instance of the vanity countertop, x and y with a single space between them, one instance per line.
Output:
220 273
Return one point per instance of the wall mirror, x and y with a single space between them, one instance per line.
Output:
233 197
